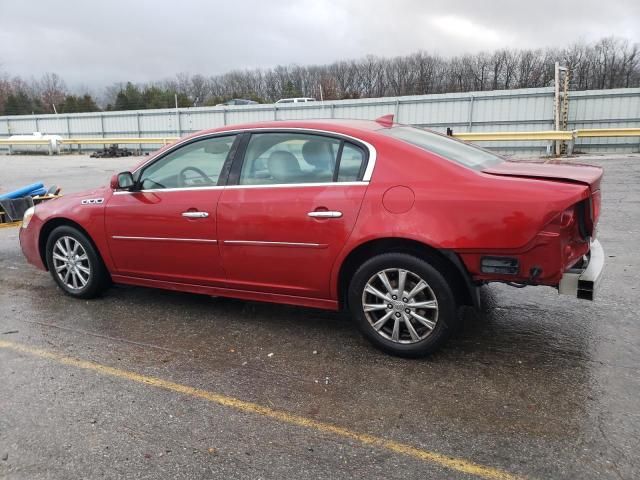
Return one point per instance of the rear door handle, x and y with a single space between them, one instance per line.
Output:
324 214
195 214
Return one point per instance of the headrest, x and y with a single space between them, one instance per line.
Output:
283 165
316 153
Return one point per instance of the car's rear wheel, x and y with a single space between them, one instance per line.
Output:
74 263
402 304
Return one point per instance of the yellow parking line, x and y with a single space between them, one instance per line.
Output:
453 463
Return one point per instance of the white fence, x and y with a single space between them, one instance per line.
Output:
494 111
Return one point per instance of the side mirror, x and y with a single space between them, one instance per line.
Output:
122 181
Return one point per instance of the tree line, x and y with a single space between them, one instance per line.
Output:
607 63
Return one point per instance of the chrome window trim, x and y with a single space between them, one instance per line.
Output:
368 173
237 187
273 244
154 190
165 239
297 185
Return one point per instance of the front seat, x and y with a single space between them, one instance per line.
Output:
284 167
317 154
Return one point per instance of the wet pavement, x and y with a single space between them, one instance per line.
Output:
537 385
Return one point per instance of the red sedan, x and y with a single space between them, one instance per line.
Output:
396 224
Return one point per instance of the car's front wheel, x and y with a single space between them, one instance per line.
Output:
74 263
402 304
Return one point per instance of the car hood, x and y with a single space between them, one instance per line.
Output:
566 172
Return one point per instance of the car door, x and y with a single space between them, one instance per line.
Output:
290 206
166 229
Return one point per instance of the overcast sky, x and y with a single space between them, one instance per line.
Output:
93 44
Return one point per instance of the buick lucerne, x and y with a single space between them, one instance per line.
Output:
397 225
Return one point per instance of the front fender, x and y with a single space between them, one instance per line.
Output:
85 210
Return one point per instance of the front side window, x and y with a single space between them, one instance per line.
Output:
284 158
446 147
197 164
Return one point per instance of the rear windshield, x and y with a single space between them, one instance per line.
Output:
446 147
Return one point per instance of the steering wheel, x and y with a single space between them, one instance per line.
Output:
182 179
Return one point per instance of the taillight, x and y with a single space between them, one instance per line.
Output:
565 218
596 202
577 216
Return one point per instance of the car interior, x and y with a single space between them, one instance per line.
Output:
274 158
195 165
285 158
270 158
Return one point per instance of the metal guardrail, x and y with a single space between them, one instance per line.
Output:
569 136
53 146
608 132
511 136
548 134
543 135
90 141
119 141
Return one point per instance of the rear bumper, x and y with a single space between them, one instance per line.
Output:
582 282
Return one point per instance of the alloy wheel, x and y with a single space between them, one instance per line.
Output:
71 263
400 306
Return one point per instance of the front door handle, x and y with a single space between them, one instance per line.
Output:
325 214
195 214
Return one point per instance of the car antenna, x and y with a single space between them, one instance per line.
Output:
385 120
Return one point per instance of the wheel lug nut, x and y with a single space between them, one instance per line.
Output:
407 310
395 297
389 306
397 314
405 300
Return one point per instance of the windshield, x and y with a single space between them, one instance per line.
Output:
446 147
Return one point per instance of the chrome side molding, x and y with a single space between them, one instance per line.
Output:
165 239
261 243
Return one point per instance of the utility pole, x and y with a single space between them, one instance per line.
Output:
560 102
175 97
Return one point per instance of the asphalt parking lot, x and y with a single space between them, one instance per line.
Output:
150 384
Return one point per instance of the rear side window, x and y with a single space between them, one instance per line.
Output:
352 162
291 158
446 147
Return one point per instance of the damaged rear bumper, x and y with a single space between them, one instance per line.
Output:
582 282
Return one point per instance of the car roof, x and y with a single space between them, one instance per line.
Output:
346 127
364 130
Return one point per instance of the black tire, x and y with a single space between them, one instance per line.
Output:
97 279
446 314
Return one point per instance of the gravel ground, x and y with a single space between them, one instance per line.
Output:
536 385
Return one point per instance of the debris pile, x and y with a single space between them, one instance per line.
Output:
14 204
112 152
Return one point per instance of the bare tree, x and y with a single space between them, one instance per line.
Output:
52 90
608 63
